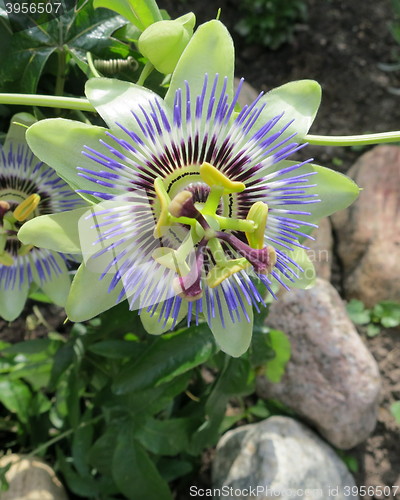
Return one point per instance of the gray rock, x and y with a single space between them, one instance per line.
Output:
331 380
30 478
284 459
368 232
320 249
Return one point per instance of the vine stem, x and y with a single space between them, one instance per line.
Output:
49 101
352 140
82 104
61 436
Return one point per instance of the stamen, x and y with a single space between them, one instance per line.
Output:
25 209
220 273
214 177
258 213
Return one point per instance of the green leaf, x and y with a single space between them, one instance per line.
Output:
395 411
81 29
275 368
168 356
28 347
373 330
134 472
117 349
171 469
16 397
165 437
58 232
81 443
62 360
210 51
298 100
85 487
259 410
236 379
141 13
357 312
101 453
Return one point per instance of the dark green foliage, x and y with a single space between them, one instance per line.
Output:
270 22
114 407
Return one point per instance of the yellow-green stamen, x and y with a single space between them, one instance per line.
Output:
258 214
25 209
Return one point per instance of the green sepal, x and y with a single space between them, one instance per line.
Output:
298 100
334 190
12 300
58 232
210 51
233 338
59 143
89 295
306 277
154 324
58 286
116 100
17 130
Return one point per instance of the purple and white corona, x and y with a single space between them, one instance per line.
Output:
29 188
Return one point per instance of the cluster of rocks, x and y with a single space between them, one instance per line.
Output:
332 382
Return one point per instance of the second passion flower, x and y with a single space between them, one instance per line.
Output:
194 203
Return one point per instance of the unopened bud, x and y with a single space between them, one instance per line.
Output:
164 41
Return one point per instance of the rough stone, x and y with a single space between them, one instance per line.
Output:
320 249
284 458
368 232
30 478
331 380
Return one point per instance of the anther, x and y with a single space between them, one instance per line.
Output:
25 209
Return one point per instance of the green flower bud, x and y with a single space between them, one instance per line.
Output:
164 41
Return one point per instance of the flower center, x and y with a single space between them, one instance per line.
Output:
13 213
195 212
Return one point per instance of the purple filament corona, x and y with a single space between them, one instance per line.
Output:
172 144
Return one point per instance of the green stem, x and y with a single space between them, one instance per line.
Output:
60 81
61 436
148 68
352 140
91 65
48 101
